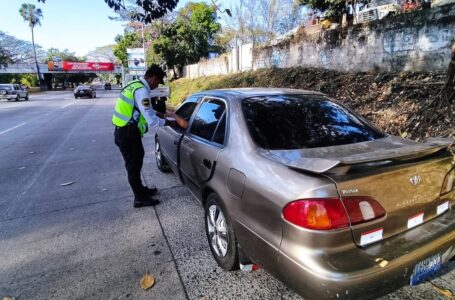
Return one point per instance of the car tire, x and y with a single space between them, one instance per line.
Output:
161 162
220 234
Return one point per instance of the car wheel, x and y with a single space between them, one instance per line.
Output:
161 162
220 234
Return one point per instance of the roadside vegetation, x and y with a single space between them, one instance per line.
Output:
391 101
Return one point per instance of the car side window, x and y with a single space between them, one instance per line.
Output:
186 110
218 136
206 120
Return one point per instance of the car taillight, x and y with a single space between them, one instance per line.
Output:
362 209
318 214
449 181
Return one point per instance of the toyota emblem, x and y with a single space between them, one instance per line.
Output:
415 180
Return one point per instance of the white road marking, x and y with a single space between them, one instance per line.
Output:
65 106
12 128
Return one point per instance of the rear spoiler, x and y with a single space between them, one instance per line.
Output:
322 160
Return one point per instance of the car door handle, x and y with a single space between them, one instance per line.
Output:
207 163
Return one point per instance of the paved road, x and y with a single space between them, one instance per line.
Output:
84 240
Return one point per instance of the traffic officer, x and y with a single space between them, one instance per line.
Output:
132 116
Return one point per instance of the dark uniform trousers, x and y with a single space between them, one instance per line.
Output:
129 141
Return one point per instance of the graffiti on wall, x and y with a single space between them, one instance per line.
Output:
399 41
435 38
325 57
426 39
278 57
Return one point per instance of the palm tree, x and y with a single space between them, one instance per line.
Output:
33 16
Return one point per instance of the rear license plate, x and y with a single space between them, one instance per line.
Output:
426 268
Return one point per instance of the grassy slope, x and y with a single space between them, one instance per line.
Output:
390 100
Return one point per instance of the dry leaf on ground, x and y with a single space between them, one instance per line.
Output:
447 293
147 281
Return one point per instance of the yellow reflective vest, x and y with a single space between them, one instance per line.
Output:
124 107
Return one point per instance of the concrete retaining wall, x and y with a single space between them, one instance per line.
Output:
415 41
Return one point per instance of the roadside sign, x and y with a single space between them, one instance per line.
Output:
136 58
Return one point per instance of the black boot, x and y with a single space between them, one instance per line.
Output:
145 201
149 191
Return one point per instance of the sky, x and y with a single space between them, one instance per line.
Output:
76 25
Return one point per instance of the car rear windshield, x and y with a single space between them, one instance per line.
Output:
5 87
303 121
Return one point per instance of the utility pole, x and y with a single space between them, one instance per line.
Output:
143 44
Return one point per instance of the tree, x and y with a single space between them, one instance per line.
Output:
20 51
63 55
33 16
448 91
102 54
445 99
5 57
150 9
259 21
190 37
333 8
129 40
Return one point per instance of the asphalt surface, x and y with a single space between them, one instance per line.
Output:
68 229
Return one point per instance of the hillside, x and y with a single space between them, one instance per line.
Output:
391 101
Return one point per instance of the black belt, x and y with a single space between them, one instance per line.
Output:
129 125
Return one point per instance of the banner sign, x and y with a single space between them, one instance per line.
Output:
87 66
136 58
55 65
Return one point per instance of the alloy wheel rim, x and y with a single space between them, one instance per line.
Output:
217 231
158 153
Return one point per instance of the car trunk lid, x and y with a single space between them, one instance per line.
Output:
398 174
409 194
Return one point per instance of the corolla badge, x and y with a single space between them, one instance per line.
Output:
415 180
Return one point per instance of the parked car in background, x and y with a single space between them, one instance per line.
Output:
377 10
107 86
84 91
12 92
296 182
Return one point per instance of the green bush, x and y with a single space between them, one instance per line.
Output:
25 79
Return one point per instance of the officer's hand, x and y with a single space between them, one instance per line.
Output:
170 113
160 115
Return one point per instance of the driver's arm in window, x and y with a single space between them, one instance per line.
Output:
180 121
